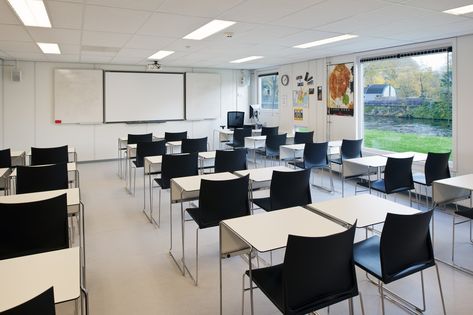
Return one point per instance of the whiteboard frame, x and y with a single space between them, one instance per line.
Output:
142 121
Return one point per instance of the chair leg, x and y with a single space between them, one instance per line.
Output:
471 238
134 181
331 178
423 289
159 208
410 199
440 289
196 256
362 305
453 238
243 295
350 306
381 291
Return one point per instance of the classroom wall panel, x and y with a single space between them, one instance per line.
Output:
2 126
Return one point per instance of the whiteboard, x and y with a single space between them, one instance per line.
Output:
202 96
143 96
78 96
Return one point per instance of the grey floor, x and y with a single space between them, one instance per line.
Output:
129 270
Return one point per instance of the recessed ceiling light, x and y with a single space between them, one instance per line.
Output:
161 54
246 59
209 29
49 48
31 12
326 41
461 10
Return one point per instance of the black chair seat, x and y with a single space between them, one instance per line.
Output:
162 183
367 256
263 203
337 161
269 281
204 219
379 185
299 164
419 178
234 145
465 212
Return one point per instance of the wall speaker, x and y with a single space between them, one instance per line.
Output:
16 75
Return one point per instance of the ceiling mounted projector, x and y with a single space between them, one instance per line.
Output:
155 66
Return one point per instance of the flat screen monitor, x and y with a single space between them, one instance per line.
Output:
235 119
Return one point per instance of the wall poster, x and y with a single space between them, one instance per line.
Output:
340 89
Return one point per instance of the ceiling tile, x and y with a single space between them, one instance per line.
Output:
305 37
14 46
14 32
105 19
27 56
135 53
104 39
170 25
126 60
266 34
148 42
147 5
95 59
64 58
203 8
68 49
54 35
64 14
7 15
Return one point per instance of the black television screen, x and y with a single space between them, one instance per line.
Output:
235 119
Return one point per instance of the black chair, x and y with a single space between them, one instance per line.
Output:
272 144
42 156
239 135
397 178
288 189
350 149
403 249
135 138
219 200
316 157
435 168
175 136
316 273
5 158
249 127
266 131
33 227
230 160
173 166
303 137
41 178
194 145
42 304
144 149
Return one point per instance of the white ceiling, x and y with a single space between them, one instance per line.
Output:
128 31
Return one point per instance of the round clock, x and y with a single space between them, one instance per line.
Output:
285 80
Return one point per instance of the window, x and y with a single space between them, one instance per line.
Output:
268 91
408 101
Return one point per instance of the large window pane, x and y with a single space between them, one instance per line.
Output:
408 103
268 91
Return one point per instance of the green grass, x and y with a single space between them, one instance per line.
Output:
401 142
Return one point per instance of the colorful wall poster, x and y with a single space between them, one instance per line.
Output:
300 98
340 90
298 113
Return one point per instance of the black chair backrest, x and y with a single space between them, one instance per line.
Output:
436 167
273 142
318 271
42 156
249 127
239 136
135 138
5 158
41 178
398 175
405 242
33 227
350 149
266 131
230 161
144 149
224 199
178 165
175 136
303 137
41 304
315 154
290 189
194 145
235 119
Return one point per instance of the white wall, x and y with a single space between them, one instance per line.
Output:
27 108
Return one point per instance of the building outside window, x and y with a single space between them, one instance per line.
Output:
268 91
408 101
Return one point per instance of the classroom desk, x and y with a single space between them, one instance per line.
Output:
206 160
226 135
268 231
367 209
261 177
152 164
291 152
122 146
71 168
18 158
256 142
187 189
4 172
74 207
26 276
173 147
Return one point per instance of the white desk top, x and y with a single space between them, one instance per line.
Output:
192 183
155 159
71 167
263 174
462 182
207 155
15 154
367 209
174 143
268 231
380 160
417 156
25 277
73 196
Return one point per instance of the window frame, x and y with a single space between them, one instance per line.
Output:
259 94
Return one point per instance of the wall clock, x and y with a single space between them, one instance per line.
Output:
285 80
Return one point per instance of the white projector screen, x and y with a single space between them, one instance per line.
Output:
143 96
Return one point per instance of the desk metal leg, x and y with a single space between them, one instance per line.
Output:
170 236
251 279
82 239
